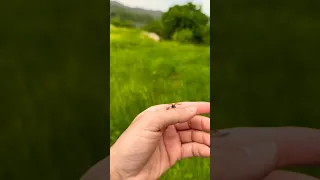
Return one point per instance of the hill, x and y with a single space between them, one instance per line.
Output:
137 16
145 73
154 14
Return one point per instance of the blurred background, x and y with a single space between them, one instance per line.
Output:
265 64
54 88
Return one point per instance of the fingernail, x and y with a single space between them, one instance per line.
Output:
191 109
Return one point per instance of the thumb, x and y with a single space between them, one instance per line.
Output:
252 162
165 118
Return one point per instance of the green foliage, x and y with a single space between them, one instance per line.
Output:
154 26
187 16
119 23
183 36
201 34
159 73
206 38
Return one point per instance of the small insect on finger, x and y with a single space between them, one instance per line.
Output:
173 106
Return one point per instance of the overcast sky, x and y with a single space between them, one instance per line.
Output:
163 5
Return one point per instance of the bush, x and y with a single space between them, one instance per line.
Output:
206 39
183 36
154 26
117 22
188 16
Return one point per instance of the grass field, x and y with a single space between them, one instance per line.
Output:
146 73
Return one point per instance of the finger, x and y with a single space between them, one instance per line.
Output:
295 145
159 120
203 107
198 123
189 136
195 150
298 146
281 175
172 144
246 163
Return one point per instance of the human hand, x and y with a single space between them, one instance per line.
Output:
158 138
259 153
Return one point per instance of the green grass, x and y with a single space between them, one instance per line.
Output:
146 73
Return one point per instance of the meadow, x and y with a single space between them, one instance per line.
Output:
145 73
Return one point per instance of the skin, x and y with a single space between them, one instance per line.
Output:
158 138
259 153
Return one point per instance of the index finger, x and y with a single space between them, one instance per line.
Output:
202 107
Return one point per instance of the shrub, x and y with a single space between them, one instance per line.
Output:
206 39
117 22
154 26
188 16
183 36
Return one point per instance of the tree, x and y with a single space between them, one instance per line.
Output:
187 16
154 26
119 23
183 36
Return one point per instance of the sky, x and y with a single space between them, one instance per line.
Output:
163 5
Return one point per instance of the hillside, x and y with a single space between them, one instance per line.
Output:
145 73
154 14
137 16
